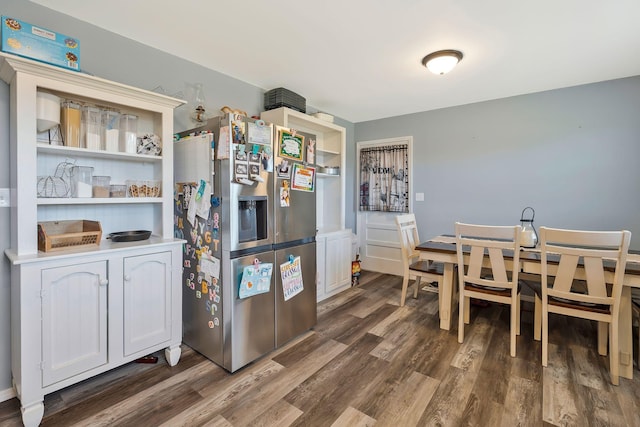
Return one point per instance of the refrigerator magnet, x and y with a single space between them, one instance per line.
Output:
238 132
284 170
267 159
311 151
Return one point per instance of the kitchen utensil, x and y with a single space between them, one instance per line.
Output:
129 236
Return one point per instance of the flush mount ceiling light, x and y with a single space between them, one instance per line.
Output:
442 61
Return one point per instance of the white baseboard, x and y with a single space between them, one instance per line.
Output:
7 394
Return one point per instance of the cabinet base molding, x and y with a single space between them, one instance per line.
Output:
7 394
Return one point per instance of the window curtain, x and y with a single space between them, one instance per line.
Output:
384 178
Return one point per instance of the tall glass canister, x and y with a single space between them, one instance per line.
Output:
128 133
111 127
92 128
70 119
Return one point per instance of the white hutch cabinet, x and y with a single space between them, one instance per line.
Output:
78 312
333 240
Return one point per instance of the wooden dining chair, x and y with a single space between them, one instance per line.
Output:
488 274
413 267
635 307
562 251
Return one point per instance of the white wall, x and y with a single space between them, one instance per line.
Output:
572 154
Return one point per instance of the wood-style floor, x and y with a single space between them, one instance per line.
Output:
369 362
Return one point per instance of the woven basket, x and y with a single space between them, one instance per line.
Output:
59 235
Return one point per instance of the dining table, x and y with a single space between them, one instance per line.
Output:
442 249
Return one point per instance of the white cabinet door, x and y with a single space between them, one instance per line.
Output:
74 320
147 301
338 261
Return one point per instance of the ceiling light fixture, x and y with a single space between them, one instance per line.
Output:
442 61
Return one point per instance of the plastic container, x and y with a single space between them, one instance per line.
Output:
70 122
92 128
117 190
128 133
101 186
111 128
81 181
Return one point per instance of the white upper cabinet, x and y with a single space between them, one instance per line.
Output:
330 152
33 159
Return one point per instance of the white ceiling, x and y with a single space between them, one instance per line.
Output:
361 59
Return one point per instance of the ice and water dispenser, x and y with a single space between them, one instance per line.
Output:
252 218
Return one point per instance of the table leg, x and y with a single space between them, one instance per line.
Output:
446 296
625 333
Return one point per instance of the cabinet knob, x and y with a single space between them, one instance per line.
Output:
104 282
127 277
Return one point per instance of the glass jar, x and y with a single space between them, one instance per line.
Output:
128 133
70 119
92 128
111 128
81 181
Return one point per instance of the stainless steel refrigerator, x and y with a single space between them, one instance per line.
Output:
235 266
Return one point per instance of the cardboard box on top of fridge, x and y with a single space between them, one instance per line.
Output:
24 39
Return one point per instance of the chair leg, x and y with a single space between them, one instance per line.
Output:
537 318
603 330
417 286
614 353
518 313
440 296
467 309
461 316
545 334
514 327
405 284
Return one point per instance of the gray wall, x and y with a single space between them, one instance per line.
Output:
572 154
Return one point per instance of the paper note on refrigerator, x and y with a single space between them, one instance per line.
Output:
255 280
210 265
223 143
291 274
260 134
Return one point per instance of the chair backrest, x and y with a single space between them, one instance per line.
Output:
409 239
565 250
500 243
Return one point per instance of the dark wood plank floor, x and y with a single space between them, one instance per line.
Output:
369 361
